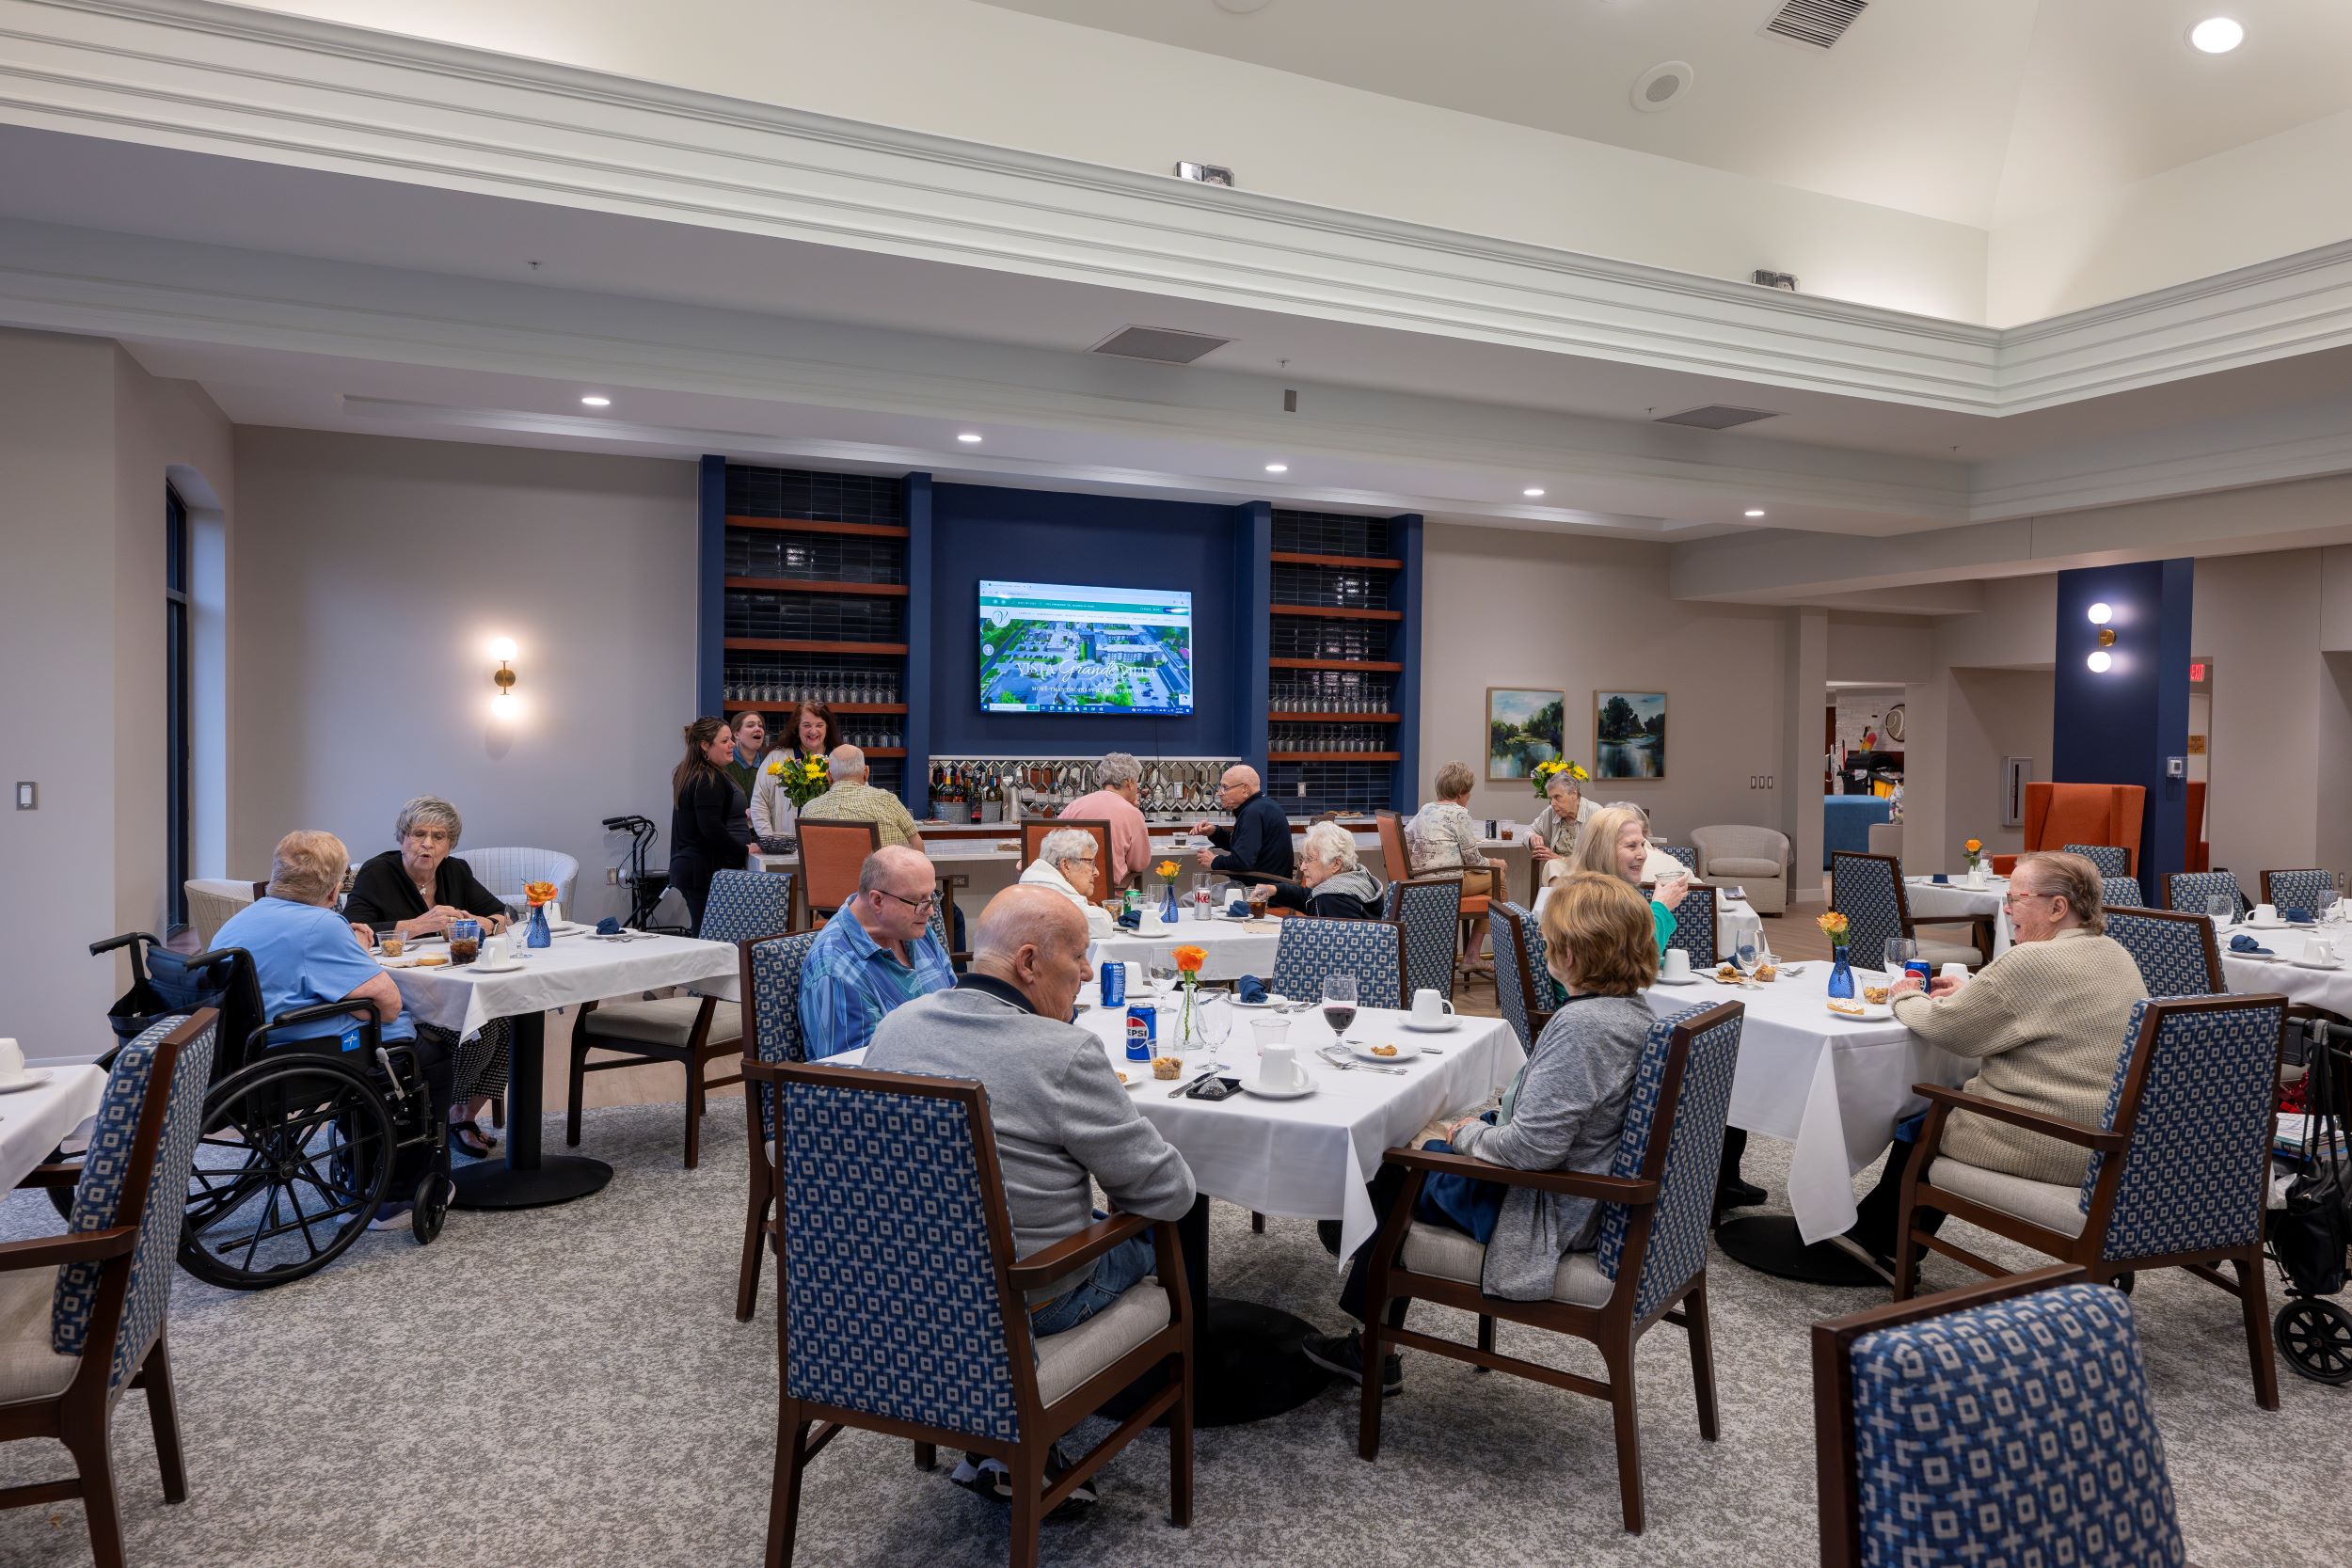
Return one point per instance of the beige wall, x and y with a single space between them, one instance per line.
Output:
2258 618
1510 608
373 575
88 440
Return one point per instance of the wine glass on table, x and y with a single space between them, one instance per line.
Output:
2222 908
1162 968
1747 952
1339 1006
1900 952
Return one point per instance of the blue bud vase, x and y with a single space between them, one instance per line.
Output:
1840 976
1168 912
539 935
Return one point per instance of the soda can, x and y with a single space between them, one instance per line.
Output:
1921 968
1143 1031
1114 985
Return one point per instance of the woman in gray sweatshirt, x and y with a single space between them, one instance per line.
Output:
1565 1110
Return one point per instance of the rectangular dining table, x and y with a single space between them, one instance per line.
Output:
33 1121
577 967
1233 948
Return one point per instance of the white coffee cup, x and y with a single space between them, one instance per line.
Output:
1675 965
1137 985
11 1062
2319 950
1280 1069
1952 971
2265 914
1429 1007
1270 1032
493 951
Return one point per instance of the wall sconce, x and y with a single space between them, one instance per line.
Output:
2101 661
503 676
2101 613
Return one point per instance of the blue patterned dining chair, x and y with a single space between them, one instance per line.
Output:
1698 929
1308 949
2179 1163
2177 954
1953 1429
903 1310
82 1315
1686 853
2187 890
2110 858
771 988
2308 891
1523 987
689 1031
1430 911
1656 1207
1868 890
2118 893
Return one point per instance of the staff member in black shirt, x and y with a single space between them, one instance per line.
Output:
1258 844
709 829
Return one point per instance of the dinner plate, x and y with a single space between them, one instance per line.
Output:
1443 1026
2252 925
1872 1012
1686 980
2306 963
1272 999
34 1078
1251 1086
1396 1057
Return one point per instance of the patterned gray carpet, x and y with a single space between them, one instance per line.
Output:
569 1387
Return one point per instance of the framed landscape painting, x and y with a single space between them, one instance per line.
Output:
1523 728
1628 735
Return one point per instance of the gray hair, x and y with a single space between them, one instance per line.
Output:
2073 877
308 867
845 763
1116 770
1331 843
1068 844
433 811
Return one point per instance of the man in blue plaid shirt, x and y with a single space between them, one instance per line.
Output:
876 953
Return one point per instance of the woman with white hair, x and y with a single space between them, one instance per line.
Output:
1069 861
1332 882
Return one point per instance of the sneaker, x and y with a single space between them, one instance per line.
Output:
392 1216
986 1477
1737 1194
1343 1354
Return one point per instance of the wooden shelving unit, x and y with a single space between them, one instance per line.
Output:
802 585
1375 666
1332 756
805 525
1338 637
1334 718
735 704
1333 612
796 645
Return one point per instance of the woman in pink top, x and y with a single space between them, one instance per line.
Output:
1118 787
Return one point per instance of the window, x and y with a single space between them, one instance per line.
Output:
176 661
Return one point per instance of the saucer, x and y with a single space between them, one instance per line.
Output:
1443 1026
34 1078
1872 1012
2306 963
481 967
1252 1086
2251 923
1272 999
1692 979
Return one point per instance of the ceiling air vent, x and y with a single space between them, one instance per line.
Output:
1716 416
1163 345
1817 24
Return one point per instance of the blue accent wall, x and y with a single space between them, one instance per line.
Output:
2120 727
711 598
981 531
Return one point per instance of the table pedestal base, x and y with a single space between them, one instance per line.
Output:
527 1179
1247 1365
1770 1244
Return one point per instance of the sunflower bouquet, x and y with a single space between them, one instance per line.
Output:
800 780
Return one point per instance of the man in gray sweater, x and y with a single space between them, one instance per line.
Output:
1061 1117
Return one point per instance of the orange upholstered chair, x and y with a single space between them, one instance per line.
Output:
2198 847
2058 814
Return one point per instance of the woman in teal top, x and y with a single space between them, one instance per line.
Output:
1616 843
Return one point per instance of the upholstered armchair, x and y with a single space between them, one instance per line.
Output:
771 1033
1524 988
2178 954
2063 814
1310 948
1756 859
1430 911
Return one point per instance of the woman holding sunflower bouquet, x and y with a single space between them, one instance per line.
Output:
792 774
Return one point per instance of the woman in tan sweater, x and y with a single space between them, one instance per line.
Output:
2045 1019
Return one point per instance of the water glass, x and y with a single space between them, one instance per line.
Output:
2222 908
1900 952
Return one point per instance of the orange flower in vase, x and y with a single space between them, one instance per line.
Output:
541 896
1188 961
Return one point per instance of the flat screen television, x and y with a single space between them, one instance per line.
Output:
1050 647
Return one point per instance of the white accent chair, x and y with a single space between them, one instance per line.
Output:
212 900
505 871
1756 859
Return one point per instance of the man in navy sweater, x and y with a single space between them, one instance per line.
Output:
1258 844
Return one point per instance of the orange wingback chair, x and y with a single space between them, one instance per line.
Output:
2058 814
2198 847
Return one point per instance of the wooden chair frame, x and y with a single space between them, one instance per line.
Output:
1979 925
1612 1327
1398 856
1836 1475
1170 1349
77 1418
2217 983
2246 1262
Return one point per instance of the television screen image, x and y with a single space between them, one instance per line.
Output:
1048 647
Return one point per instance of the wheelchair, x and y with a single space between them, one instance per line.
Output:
299 1135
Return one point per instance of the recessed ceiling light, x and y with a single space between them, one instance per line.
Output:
597 403
1277 467
2217 35
1755 512
969 438
1531 492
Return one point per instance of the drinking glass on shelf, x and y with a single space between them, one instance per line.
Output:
2222 908
1900 952
1339 1006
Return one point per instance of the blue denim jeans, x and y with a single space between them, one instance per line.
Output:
1114 1273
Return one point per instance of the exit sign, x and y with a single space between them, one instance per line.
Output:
2196 672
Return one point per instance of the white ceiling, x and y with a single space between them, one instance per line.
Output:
1977 111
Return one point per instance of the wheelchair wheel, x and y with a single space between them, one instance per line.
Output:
431 1208
294 1161
2317 1337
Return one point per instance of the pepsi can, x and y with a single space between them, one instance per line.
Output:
1114 985
1921 968
1143 1031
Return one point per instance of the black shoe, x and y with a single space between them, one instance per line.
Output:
1327 1233
1737 1194
1343 1354
1082 1496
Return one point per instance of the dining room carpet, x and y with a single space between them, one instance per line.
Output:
569 1386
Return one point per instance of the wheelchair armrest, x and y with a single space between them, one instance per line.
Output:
370 1024
1075 1250
1631 1191
79 1246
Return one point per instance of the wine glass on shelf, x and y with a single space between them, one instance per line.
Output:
1339 1006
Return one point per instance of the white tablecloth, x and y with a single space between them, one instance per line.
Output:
31 1121
1833 1088
574 969
1735 918
1234 947
2330 989
1930 902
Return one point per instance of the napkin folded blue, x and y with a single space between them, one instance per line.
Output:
1942 878
2244 943
1249 989
2296 914
1131 919
609 926
1238 909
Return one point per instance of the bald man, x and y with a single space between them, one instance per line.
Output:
850 797
1258 844
875 955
